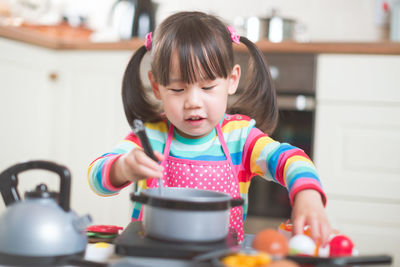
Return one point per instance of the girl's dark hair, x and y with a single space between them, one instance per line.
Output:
201 40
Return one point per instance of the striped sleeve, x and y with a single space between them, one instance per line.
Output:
98 174
284 164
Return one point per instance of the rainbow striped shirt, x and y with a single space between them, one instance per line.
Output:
253 153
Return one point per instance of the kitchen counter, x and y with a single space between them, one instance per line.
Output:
63 37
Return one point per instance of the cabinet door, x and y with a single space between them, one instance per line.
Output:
357 134
89 121
358 78
25 96
357 129
357 150
372 226
26 103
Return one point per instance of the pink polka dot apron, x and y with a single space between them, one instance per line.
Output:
209 175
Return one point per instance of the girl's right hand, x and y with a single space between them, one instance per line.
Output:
135 165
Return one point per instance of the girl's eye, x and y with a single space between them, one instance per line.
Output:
176 90
208 87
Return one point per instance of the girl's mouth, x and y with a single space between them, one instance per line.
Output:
195 120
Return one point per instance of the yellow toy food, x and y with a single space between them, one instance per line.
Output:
246 260
283 263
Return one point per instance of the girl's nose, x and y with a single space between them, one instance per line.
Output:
193 98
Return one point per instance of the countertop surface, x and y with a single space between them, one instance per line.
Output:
63 37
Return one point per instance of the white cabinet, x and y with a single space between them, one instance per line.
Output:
64 106
357 144
25 95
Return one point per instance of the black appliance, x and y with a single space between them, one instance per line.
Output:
133 241
133 18
294 80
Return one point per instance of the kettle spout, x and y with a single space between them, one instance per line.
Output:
82 222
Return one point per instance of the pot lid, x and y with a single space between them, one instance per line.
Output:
189 199
41 191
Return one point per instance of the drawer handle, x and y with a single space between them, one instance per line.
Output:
53 76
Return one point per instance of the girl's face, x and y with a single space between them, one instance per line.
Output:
195 109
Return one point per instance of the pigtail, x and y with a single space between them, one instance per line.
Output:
258 98
136 101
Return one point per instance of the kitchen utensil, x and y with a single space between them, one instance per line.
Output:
134 242
138 129
395 21
342 261
280 29
186 214
274 28
304 260
216 256
133 17
41 226
38 12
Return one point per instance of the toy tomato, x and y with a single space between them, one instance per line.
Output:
340 245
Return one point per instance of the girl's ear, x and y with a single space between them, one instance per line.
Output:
234 79
154 85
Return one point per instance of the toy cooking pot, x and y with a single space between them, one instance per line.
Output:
185 214
40 227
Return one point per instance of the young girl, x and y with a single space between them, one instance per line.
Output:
189 125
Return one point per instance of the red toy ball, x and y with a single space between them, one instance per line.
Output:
340 245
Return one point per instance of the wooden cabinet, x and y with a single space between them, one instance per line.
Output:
63 106
356 147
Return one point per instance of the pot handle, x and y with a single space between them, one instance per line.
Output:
139 198
9 181
236 202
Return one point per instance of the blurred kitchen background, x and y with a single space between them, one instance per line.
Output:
318 20
335 65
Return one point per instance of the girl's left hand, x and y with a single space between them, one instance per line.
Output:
308 209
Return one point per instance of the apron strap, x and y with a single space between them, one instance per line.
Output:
223 144
155 182
169 140
220 136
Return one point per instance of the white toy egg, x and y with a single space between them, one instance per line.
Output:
302 244
99 252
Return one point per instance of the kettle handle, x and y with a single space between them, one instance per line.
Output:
9 181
